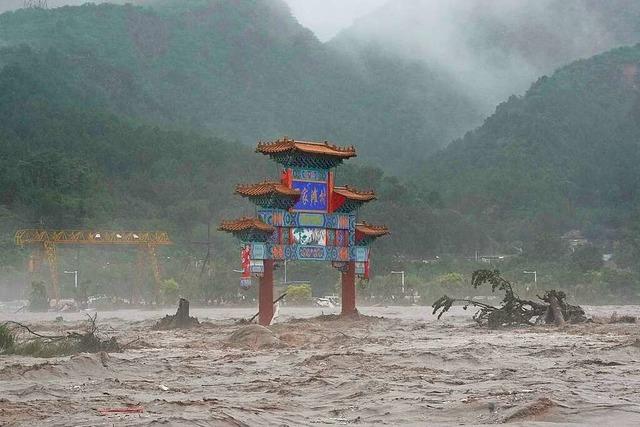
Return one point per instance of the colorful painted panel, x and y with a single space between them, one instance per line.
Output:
310 236
245 260
362 253
311 220
245 282
311 252
280 218
277 251
258 251
313 196
257 266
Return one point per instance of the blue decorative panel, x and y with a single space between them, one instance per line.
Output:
257 266
314 196
245 282
312 252
362 253
258 251
282 218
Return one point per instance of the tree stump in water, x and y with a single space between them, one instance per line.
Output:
554 312
180 320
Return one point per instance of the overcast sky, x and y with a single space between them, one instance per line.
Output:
327 17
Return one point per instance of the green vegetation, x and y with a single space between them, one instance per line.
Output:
38 299
561 157
244 70
16 338
299 294
7 339
170 291
129 117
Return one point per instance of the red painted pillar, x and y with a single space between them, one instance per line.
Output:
265 294
349 290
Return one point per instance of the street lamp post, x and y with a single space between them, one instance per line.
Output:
535 275
75 277
401 273
535 278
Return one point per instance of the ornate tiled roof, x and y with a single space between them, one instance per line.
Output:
266 188
245 224
371 230
353 194
319 148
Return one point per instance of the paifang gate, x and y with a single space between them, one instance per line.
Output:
304 216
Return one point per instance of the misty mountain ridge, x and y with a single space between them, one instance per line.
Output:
563 156
246 70
493 48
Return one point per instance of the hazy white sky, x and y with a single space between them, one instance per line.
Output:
327 17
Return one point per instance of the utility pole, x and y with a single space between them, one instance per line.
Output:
401 273
75 277
535 278
285 272
535 275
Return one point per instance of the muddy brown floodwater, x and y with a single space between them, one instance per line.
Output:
394 366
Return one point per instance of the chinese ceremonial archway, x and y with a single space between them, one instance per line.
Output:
304 216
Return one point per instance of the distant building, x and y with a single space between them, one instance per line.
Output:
574 239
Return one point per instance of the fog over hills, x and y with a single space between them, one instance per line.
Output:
564 156
494 48
412 75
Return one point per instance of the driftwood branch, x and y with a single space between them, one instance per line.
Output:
258 313
26 328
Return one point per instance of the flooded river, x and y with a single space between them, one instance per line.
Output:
393 366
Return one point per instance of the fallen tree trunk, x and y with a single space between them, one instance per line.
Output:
514 310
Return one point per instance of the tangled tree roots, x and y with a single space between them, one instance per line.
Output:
38 345
513 310
180 320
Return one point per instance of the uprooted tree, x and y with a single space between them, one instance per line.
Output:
13 341
513 310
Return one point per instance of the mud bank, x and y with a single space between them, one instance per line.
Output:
405 368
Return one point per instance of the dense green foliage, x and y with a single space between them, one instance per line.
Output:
562 157
67 162
107 115
299 294
245 70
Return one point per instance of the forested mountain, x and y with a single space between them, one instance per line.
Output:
409 79
493 48
130 116
243 70
66 161
563 156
